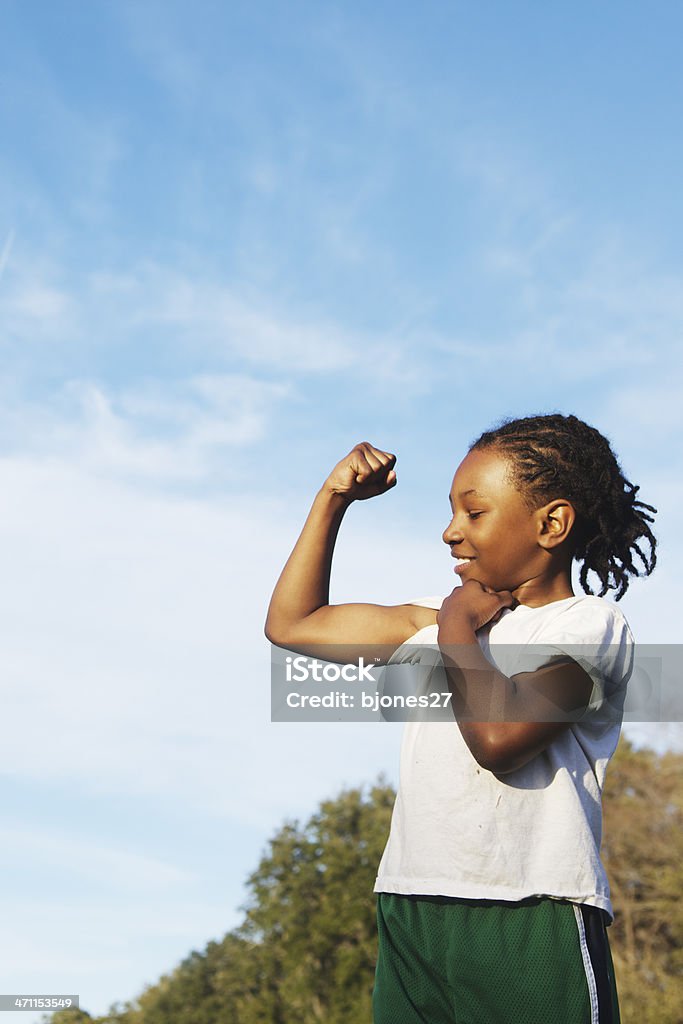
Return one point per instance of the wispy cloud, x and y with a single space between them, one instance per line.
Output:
152 657
238 238
84 858
193 318
155 434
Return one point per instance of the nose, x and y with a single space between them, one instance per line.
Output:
452 534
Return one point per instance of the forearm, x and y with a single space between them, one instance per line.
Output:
483 698
506 722
304 584
491 711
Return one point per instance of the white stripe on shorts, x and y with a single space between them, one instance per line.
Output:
588 967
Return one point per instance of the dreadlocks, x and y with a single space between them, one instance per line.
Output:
559 456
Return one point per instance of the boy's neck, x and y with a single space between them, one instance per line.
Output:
544 590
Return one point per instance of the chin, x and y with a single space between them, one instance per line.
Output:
496 585
477 578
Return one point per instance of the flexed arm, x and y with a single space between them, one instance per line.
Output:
300 616
504 721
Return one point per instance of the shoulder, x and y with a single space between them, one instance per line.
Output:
587 629
584 619
594 633
592 620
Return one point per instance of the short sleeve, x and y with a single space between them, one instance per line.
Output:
595 635
427 602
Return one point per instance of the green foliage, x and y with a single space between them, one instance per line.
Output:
311 908
643 854
69 1017
306 950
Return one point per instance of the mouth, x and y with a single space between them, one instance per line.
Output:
461 562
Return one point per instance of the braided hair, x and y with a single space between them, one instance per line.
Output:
561 456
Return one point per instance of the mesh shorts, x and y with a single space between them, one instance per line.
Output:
450 961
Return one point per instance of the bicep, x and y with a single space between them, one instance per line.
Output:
347 632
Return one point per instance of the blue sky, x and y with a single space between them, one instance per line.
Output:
234 240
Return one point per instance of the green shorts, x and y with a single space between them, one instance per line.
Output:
451 961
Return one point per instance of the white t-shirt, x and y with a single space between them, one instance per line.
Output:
459 830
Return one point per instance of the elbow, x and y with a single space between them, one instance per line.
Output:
497 763
490 750
272 634
276 634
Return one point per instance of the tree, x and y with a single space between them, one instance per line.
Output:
70 1016
643 854
306 950
312 912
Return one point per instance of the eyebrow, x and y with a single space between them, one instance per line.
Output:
463 494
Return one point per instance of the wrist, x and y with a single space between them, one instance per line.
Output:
334 500
458 631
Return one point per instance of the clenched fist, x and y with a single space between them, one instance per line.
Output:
363 473
472 606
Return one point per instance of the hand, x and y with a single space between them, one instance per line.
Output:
470 607
363 473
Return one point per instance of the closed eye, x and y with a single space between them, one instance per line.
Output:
474 515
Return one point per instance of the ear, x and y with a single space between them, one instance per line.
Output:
554 522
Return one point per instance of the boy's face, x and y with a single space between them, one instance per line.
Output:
493 534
